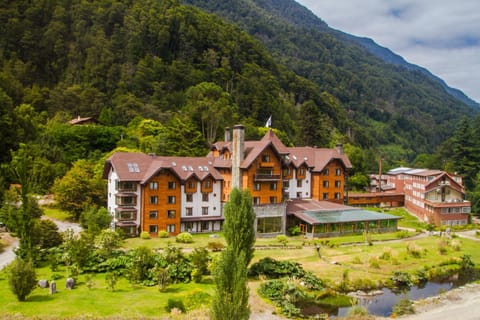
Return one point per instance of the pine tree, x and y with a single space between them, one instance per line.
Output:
231 290
230 274
238 226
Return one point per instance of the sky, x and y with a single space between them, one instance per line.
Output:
442 36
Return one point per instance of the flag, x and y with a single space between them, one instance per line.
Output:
269 122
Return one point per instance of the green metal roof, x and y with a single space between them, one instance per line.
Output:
340 216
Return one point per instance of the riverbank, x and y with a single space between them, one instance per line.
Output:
460 303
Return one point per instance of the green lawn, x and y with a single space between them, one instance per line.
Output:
408 220
376 262
126 301
55 213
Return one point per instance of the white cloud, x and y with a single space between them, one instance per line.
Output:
442 36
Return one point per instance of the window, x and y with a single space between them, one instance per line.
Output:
273 186
325 183
205 225
299 183
273 199
256 201
189 212
170 227
171 185
265 158
207 184
171 214
337 195
189 197
171 200
204 197
153 199
204 211
188 226
299 194
286 184
153 185
325 196
338 172
191 185
153 228
153 215
338 183
326 172
302 171
256 186
269 225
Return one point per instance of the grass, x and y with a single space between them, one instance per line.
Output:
408 220
55 213
138 301
126 301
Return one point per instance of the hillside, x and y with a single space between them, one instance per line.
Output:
391 105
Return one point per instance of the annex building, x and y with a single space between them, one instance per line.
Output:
152 193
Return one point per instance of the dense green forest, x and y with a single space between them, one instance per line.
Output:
165 77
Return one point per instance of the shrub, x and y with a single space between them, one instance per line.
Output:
442 247
402 234
456 245
22 278
163 234
175 304
215 246
374 263
386 254
357 311
273 269
282 239
400 278
357 260
404 306
294 231
144 235
184 237
414 250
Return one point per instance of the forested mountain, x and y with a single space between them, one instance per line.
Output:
390 104
166 77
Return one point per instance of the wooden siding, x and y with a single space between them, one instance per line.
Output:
162 207
274 165
321 179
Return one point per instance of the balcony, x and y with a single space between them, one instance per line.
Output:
266 177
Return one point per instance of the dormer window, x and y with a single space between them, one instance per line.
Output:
265 158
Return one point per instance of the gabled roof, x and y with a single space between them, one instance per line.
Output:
184 168
129 166
317 158
136 166
444 177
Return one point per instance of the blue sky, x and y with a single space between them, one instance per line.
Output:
440 35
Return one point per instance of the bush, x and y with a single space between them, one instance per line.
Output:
144 235
456 245
442 247
414 250
404 306
215 246
184 237
282 239
374 263
22 278
175 304
294 231
386 255
402 234
163 234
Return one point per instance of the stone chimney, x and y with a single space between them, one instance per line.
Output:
238 146
339 148
227 134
